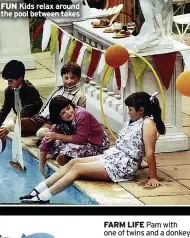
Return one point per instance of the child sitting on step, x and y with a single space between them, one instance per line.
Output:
119 163
75 133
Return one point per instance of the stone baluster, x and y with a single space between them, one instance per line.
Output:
96 93
92 88
120 109
86 87
117 102
109 99
104 94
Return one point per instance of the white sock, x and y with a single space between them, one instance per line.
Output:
40 188
44 196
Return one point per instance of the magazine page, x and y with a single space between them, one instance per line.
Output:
94 118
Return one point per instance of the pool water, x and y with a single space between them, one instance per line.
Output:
14 183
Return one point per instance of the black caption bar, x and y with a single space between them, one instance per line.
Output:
94 210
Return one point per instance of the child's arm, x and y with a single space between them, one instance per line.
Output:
82 131
56 136
53 135
150 138
47 143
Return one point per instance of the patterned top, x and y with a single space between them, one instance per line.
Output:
122 161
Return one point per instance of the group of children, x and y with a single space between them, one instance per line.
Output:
74 136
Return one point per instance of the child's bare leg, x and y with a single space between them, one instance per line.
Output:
63 159
42 163
93 170
66 168
41 132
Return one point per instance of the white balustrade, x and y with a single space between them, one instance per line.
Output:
115 109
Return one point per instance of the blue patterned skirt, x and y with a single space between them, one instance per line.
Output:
79 151
119 166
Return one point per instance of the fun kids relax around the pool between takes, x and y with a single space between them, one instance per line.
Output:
76 133
136 140
40 123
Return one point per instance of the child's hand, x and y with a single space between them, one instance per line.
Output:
154 182
3 133
51 136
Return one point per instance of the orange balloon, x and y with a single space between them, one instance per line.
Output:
116 55
183 83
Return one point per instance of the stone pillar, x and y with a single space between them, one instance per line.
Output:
15 41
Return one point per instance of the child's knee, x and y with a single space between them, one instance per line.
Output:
9 125
77 169
41 132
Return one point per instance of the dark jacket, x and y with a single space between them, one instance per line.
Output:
30 99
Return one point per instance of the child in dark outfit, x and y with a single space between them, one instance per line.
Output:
14 72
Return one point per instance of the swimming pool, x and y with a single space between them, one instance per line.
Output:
15 183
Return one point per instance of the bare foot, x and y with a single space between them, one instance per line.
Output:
149 38
148 41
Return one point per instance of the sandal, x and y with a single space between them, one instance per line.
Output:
29 196
39 201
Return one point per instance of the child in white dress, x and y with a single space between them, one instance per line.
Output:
119 163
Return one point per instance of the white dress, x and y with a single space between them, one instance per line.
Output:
123 160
